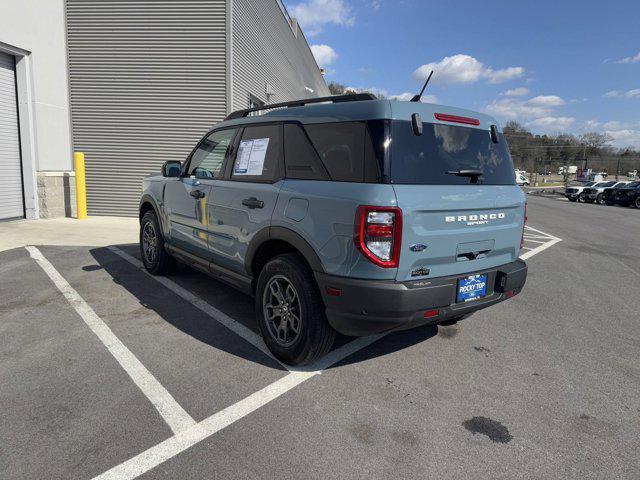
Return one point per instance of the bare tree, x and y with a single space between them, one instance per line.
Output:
337 88
594 141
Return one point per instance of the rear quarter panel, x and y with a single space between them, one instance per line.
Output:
323 213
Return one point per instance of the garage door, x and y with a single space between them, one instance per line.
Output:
11 199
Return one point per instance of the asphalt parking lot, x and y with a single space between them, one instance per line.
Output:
106 371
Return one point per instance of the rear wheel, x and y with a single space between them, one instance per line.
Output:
600 199
573 199
290 311
154 256
637 202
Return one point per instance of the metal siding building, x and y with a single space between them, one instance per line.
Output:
149 78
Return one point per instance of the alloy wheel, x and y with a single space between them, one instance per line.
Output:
149 243
282 312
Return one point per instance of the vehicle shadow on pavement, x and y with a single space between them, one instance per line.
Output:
190 320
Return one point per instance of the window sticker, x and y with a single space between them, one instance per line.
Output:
250 159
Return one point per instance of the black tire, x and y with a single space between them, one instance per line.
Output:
160 262
315 336
600 199
572 199
637 202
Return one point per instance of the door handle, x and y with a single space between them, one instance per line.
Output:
197 193
253 202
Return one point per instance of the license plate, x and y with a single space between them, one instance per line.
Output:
472 287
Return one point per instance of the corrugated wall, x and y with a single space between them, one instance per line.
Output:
265 50
147 78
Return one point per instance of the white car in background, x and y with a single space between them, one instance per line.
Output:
596 192
521 179
574 192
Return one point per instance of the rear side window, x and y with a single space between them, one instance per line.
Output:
341 149
338 151
258 154
301 159
426 159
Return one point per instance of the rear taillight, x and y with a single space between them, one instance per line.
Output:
524 222
378 234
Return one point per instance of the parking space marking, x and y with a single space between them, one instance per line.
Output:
184 440
180 442
537 237
168 408
247 334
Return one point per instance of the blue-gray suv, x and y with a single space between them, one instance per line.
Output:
344 214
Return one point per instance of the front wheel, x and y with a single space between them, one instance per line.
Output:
572 199
600 199
290 312
637 202
155 257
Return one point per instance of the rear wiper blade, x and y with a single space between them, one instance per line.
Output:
474 175
465 173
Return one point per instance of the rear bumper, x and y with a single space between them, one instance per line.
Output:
366 307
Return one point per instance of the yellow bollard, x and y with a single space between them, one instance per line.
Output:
81 186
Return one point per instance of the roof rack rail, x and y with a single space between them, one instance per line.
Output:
356 97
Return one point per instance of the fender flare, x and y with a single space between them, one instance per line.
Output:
146 198
286 235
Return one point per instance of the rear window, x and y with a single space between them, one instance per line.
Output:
425 159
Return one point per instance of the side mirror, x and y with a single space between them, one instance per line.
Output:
171 169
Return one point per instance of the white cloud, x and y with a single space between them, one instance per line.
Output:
546 101
324 54
516 92
634 93
634 59
625 138
591 124
406 96
552 123
465 69
511 108
504 75
313 15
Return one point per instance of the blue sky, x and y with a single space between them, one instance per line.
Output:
554 66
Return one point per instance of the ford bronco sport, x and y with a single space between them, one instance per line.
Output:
345 214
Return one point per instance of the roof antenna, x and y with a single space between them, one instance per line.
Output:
419 96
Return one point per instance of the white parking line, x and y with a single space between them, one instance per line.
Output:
173 446
220 317
180 442
175 416
550 241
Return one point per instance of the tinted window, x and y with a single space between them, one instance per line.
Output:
301 160
259 154
340 146
425 159
207 160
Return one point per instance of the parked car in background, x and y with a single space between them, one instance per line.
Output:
293 208
624 196
521 179
596 193
574 192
